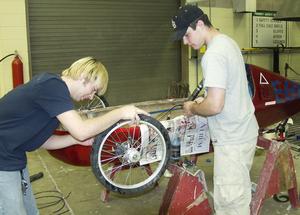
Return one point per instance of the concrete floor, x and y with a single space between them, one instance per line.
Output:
83 191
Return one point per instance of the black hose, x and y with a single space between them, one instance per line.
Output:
191 98
196 91
280 197
36 176
57 200
6 57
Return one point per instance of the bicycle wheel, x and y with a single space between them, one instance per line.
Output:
96 103
103 101
130 159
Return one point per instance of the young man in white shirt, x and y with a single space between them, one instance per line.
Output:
228 107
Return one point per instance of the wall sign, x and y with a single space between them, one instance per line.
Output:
267 32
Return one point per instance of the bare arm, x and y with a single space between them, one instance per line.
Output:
212 104
84 129
62 141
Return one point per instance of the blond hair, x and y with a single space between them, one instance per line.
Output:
90 69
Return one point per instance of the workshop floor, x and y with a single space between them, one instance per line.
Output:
82 191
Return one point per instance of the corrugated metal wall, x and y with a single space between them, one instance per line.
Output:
130 37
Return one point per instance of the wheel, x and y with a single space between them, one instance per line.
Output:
103 101
96 103
129 163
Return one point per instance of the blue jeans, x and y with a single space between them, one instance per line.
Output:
12 199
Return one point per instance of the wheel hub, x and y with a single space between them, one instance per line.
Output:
133 155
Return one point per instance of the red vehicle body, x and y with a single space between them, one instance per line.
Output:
275 98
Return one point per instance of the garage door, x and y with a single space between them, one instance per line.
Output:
131 38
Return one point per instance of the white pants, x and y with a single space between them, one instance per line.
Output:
232 184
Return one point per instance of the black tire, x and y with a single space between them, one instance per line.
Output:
127 152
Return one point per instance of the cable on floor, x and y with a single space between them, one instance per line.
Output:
53 198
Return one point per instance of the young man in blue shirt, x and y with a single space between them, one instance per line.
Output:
29 115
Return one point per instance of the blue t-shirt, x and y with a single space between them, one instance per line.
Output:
28 117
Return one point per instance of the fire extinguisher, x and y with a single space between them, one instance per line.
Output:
17 71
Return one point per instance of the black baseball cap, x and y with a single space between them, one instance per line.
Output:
186 15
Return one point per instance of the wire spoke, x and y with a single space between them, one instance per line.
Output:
111 159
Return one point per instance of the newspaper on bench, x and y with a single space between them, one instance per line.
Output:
192 131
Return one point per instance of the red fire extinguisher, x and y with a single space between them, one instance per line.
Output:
17 71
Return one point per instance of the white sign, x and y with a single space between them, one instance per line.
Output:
267 32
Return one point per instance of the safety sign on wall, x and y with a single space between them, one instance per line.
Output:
267 32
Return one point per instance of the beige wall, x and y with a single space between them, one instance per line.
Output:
238 26
13 36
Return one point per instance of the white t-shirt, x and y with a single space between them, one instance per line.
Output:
223 67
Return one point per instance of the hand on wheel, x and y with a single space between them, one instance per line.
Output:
131 112
87 142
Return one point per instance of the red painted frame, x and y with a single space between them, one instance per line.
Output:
275 98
